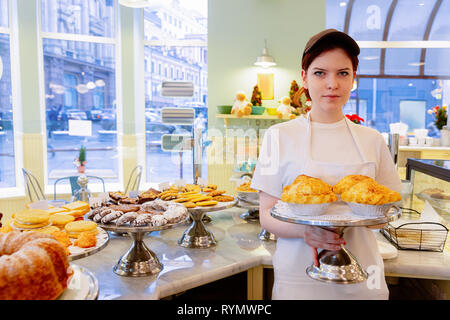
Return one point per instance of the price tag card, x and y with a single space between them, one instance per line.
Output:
95 201
104 196
163 186
41 204
202 182
179 183
133 194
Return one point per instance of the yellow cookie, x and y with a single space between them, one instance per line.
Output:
56 210
78 205
32 216
179 200
189 204
207 203
29 226
76 227
202 198
48 230
60 220
186 193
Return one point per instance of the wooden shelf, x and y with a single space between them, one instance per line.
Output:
261 117
227 117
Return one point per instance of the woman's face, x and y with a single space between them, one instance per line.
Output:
329 80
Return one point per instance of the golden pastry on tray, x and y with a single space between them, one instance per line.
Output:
368 191
308 190
347 182
368 197
308 196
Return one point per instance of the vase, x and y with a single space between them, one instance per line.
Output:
445 136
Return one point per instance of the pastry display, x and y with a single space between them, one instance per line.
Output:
437 193
245 187
308 190
151 213
33 266
74 228
368 191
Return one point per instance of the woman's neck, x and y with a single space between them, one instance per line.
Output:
326 117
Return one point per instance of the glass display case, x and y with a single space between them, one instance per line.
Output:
429 181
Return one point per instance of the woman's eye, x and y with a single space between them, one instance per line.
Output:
344 73
318 73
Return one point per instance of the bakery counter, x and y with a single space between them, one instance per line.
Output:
238 250
418 264
422 152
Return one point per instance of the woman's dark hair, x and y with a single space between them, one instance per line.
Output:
312 54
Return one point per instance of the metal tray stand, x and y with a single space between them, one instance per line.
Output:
335 266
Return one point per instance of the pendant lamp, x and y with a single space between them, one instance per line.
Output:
265 60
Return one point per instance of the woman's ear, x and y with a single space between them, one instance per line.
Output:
305 82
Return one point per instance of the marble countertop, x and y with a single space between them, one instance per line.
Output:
238 249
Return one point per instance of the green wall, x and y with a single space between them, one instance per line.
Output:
236 33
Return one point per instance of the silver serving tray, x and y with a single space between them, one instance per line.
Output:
348 220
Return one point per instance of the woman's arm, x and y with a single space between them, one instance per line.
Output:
315 237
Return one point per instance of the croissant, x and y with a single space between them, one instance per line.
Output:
368 191
347 182
308 190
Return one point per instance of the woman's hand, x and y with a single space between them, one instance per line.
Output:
317 237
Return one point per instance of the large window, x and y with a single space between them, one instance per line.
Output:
405 58
7 159
175 46
79 41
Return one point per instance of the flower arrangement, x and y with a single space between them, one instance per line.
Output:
354 118
80 161
440 112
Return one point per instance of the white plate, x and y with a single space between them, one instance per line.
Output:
82 285
78 253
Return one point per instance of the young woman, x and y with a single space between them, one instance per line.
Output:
326 145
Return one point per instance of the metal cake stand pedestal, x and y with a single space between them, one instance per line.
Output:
252 214
139 260
196 235
336 266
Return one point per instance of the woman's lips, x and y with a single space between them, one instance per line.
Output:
331 96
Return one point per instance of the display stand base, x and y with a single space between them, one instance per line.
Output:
138 261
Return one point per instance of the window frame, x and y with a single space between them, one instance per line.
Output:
116 42
162 43
19 190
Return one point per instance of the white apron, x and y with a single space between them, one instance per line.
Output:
293 256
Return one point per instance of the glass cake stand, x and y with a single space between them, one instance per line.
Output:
196 235
336 266
139 260
252 214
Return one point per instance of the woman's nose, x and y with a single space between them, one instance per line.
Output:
332 82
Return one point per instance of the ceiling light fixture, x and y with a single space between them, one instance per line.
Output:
135 3
265 60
